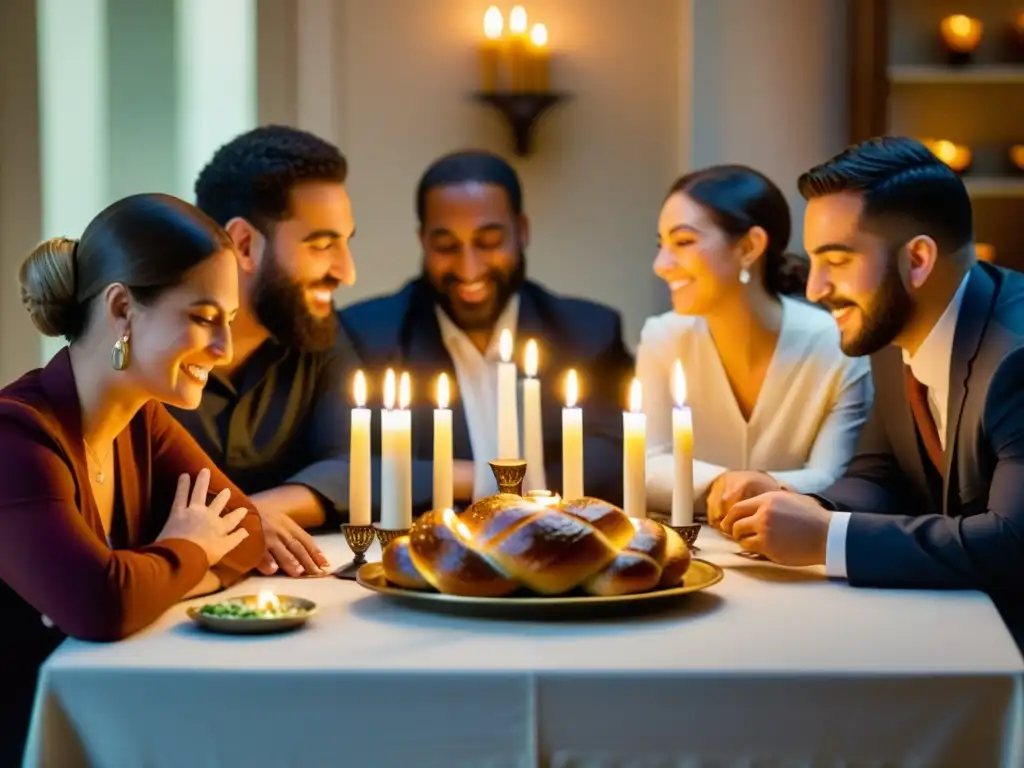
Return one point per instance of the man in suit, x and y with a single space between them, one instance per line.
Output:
935 496
275 418
474 235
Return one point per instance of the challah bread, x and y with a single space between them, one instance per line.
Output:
505 543
440 550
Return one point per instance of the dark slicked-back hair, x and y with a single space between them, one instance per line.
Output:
907 191
253 175
470 166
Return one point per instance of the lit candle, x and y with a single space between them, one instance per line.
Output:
508 404
540 59
518 56
359 482
266 600
443 461
961 34
682 445
956 156
396 456
490 50
572 441
533 429
634 454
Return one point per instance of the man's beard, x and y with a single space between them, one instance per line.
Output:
884 319
280 306
484 316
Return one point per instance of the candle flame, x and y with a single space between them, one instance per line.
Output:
572 389
493 23
266 600
517 20
530 364
961 33
443 394
505 345
679 384
359 389
389 389
636 398
404 391
539 35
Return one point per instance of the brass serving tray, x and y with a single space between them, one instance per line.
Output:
699 576
255 626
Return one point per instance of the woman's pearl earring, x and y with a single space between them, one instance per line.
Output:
744 276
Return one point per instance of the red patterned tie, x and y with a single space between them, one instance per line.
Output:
917 394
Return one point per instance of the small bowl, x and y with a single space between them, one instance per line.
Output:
303 608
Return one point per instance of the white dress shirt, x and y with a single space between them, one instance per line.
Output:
930 366
477 381
803 429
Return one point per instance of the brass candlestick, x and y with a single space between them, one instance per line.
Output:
509 474
359 538
385 535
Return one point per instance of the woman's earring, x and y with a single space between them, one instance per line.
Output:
119 354
744 276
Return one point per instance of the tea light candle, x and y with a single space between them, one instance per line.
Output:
572 441
533 428
443 455
359 478
682 446
634 454
396 456
508 405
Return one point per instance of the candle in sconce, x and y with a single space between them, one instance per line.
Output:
443 457
508 403
396 456
572 441
359 478
682 448
634 454
533 428
517 51
490 49
539 60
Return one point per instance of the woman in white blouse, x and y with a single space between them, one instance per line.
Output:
775 401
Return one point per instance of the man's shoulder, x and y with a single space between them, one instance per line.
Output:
579 315
376 321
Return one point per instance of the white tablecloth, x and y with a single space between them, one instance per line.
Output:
771 667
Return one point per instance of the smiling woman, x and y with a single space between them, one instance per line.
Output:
101 527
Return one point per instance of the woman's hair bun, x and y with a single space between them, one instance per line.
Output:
47 279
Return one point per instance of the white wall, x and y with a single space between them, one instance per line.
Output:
660 86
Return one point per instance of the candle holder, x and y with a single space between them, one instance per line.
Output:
509 474
689 534
521 112
960 37
385 535
359 538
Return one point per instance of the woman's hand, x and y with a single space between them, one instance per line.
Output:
196 521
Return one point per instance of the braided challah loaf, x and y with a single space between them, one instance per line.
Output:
504 543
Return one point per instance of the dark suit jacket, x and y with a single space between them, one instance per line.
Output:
967 530
401 331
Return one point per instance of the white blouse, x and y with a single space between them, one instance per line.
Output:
803 429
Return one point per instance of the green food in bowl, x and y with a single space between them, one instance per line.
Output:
239 609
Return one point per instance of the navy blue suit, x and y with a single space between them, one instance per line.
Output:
401 331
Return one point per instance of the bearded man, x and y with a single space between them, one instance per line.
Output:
474 234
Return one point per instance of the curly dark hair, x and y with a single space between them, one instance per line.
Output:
252 176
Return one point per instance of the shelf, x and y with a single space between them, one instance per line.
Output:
910 74
995 186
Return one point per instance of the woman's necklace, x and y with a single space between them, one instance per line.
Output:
100 476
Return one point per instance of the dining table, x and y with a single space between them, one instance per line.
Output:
771 666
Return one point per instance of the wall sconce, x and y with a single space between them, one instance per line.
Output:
516 73
985 252
956 156
961 36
